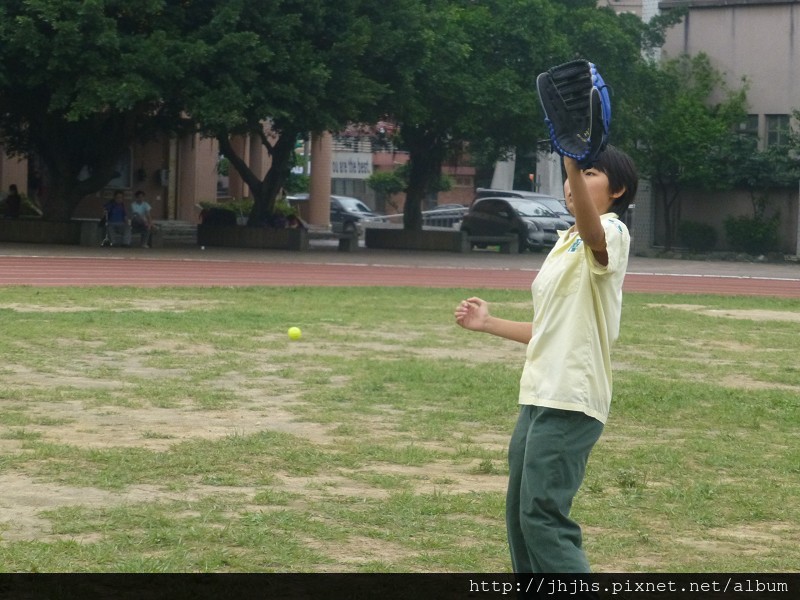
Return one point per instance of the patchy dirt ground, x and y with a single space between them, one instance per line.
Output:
74 423
749 314
77 424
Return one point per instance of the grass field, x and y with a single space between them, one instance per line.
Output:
181 430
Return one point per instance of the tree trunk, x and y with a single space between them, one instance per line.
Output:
79 158
265 192
670 201
426 154
63 189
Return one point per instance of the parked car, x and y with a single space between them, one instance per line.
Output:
535 224
347 214
556 205
444 215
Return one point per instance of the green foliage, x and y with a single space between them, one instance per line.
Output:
684 131
278 71
684 135
296 183
470 81
242 207
753 235
223 166
386 183
761 171
698 237
79 82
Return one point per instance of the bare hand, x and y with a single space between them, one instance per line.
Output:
472 314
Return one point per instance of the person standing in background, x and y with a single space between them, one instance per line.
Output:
141 219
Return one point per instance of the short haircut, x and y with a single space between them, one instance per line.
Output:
139 193
621 173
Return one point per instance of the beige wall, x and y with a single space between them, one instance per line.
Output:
148 160
197 176
757 40
146 163
713 208
195 172
760 41
13 171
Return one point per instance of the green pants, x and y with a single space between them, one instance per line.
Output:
547 461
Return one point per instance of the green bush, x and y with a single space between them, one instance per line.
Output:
753 235
297 183
697 237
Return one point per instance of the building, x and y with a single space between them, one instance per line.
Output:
175 174
179 174
755 39
758 40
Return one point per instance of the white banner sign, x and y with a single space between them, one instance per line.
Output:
351 165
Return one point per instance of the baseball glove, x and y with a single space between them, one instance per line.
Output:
577 110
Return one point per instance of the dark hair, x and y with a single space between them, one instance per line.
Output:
621 173
139 193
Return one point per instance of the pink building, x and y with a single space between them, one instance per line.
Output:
177 174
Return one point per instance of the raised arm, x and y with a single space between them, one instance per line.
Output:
586 213
588 197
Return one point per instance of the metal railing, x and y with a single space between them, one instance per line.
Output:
438 218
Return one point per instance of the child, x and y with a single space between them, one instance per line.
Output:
565 388
117 222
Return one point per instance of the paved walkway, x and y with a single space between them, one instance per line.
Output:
33 264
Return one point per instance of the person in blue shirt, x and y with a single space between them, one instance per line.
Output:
118 224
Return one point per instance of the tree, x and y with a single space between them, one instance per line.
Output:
685 132
619 44
275 72
474 85
468 77
622 46
385 184
79 82
760 171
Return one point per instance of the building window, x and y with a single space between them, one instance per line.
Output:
122 179
749 126
778 130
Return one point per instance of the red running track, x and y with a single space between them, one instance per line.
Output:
140 272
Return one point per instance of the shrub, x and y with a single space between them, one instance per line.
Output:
697 237
753 235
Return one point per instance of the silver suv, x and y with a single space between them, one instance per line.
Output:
535 226
554 204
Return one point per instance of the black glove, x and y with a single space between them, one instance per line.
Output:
577 110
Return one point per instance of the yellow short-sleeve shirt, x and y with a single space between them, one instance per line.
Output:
577 304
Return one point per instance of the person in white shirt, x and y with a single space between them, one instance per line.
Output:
141 220
565 387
